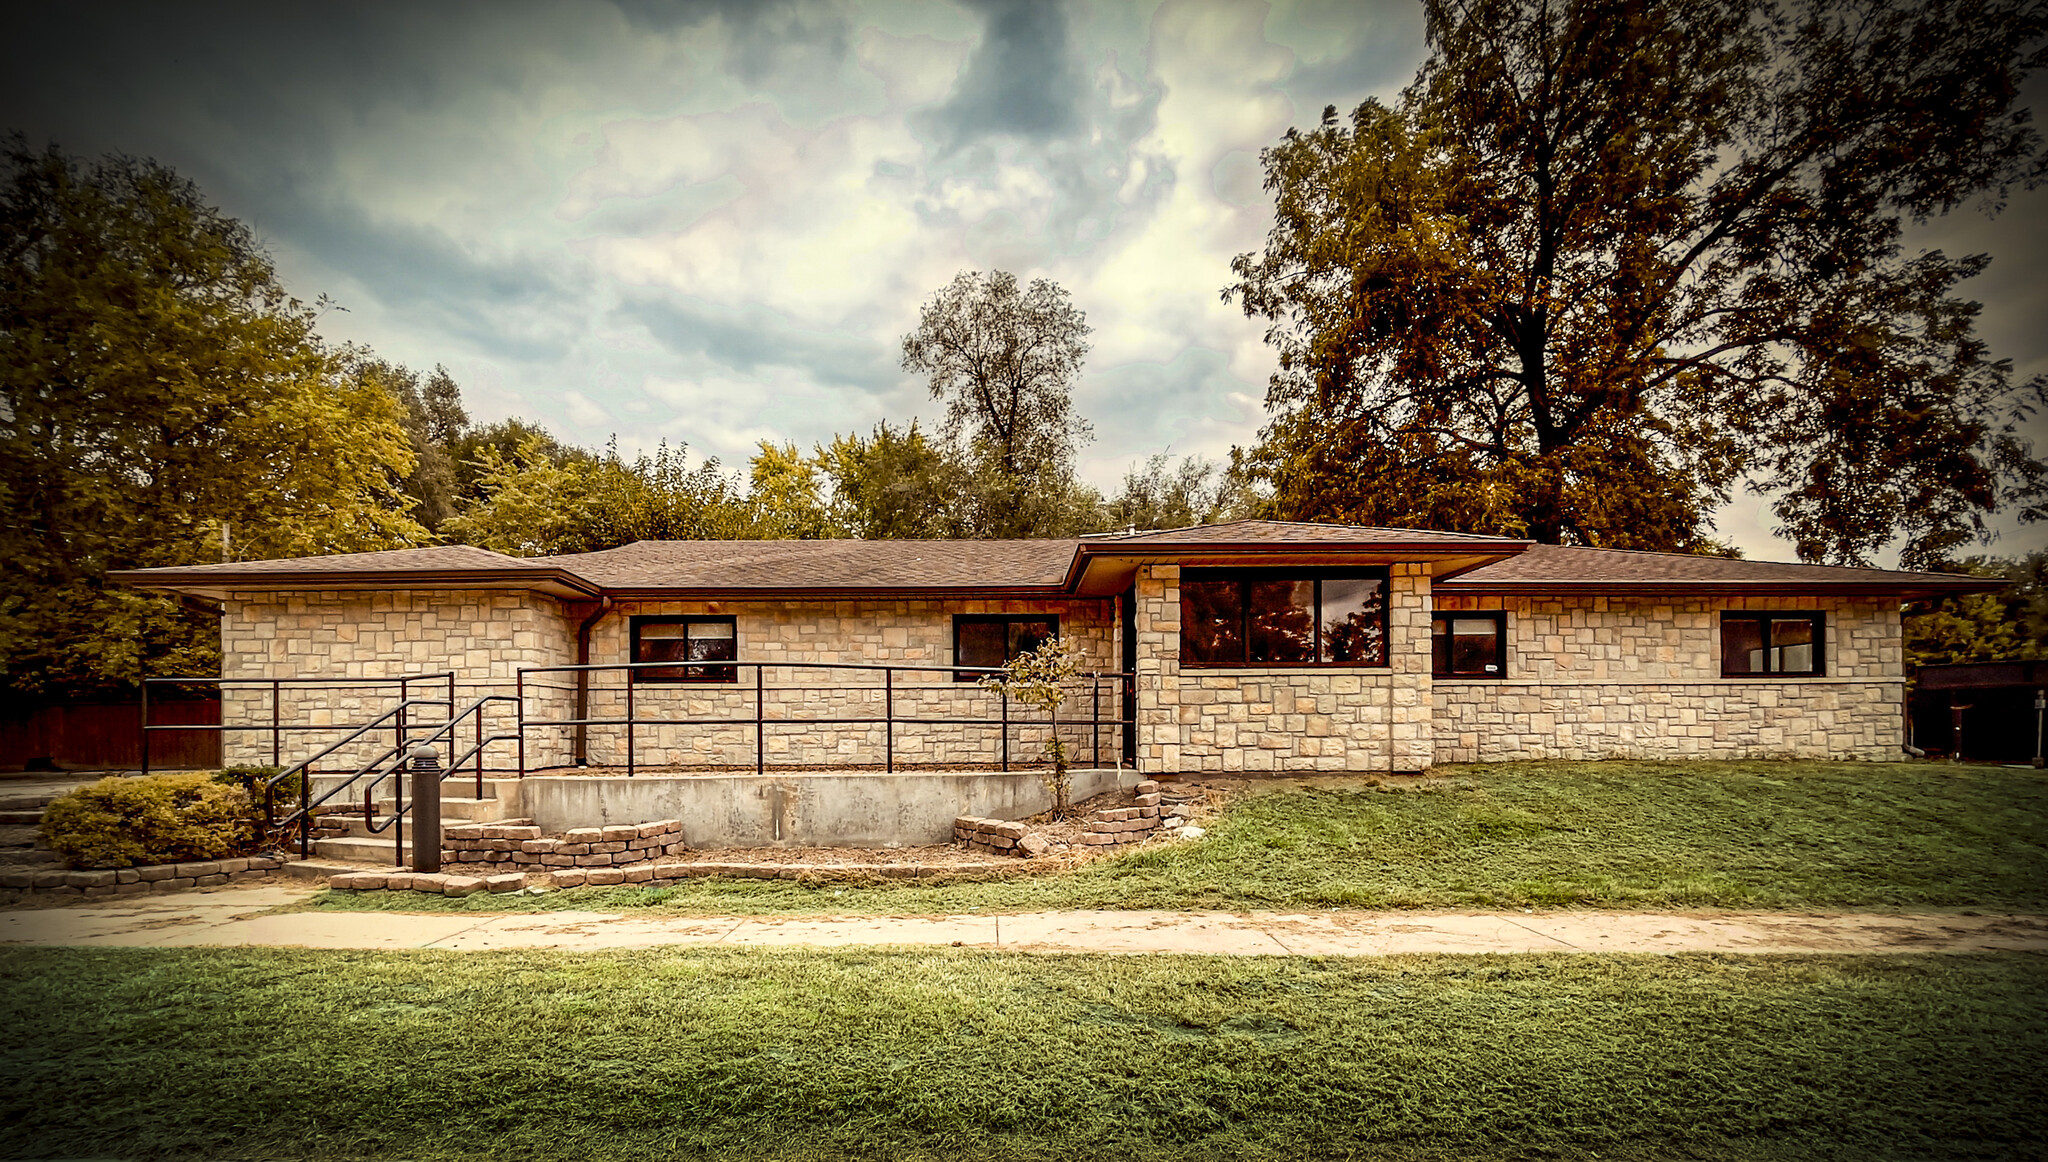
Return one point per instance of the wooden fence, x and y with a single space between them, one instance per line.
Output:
108 736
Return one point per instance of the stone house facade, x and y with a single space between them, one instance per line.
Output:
1254 646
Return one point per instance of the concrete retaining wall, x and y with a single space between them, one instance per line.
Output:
825 809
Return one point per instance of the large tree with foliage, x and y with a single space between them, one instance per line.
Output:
1605 259
1004 360
163 401
537 502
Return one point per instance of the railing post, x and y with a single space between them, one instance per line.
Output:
479 747
889 719
424 765
760 722
305 809
629 723
519 716
145 730
276 727
1006 729
1095 717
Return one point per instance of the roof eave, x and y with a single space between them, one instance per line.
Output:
1489 552
217 585
1539 588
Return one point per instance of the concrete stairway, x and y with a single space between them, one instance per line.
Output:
21 812
359 846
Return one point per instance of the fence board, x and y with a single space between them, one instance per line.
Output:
109 735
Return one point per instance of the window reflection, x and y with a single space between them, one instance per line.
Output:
1254 619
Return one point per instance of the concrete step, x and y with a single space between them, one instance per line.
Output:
16 858
14 837
320 868
361 850
21 818
455 810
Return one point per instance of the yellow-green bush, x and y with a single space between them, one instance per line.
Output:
125 822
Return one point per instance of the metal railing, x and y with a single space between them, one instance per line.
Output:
277 727
762 722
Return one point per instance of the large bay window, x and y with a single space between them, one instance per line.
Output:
1261 617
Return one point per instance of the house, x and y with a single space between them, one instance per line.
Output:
1248 646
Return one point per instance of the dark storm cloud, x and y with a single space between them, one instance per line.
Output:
1022 79
746 339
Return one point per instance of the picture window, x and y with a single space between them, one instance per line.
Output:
1266 618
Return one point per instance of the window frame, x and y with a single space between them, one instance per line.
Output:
1499 618
1244 576
1817 618
1003 619
731 673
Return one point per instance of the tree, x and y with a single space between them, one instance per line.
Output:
785 496
1004 361
535 503
435 424
163 401
1607 258
1164 495
2010 625
894 484
1038 679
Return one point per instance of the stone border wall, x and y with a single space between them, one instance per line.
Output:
518 843
162 877
657 875
1109 826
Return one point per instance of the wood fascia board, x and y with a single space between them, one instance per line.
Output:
1771 588
1193 554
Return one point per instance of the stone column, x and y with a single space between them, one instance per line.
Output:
1158 668
1411 725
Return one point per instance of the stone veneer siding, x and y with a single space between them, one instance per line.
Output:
907 632
485 636
1294 719
1612 677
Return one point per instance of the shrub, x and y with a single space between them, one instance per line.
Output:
251 779
125 822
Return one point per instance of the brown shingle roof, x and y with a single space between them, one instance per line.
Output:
438 558
1562 568
826 565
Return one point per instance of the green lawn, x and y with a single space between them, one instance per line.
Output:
277 1053
1602 835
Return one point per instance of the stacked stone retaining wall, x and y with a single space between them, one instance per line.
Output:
522 844
163 877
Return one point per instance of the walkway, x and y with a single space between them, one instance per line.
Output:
245 917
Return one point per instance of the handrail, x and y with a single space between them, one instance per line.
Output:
1083 682
277 728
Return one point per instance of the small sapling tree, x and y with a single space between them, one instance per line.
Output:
1038 679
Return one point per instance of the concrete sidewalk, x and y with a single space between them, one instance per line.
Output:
242 917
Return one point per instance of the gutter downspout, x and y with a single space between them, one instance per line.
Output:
583 628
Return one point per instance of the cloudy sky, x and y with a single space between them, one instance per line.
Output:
713 221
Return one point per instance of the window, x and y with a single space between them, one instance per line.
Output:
1469 645
991 640
686 639
1772 643
1265 618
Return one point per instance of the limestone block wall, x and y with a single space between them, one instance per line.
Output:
796 696
1283 719
484 636
1613 677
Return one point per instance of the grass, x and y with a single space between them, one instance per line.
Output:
278 1053
1639 835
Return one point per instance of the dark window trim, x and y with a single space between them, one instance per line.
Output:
1499 618
1382 574
1818 617
1004 619
729 673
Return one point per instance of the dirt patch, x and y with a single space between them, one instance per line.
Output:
1066 850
